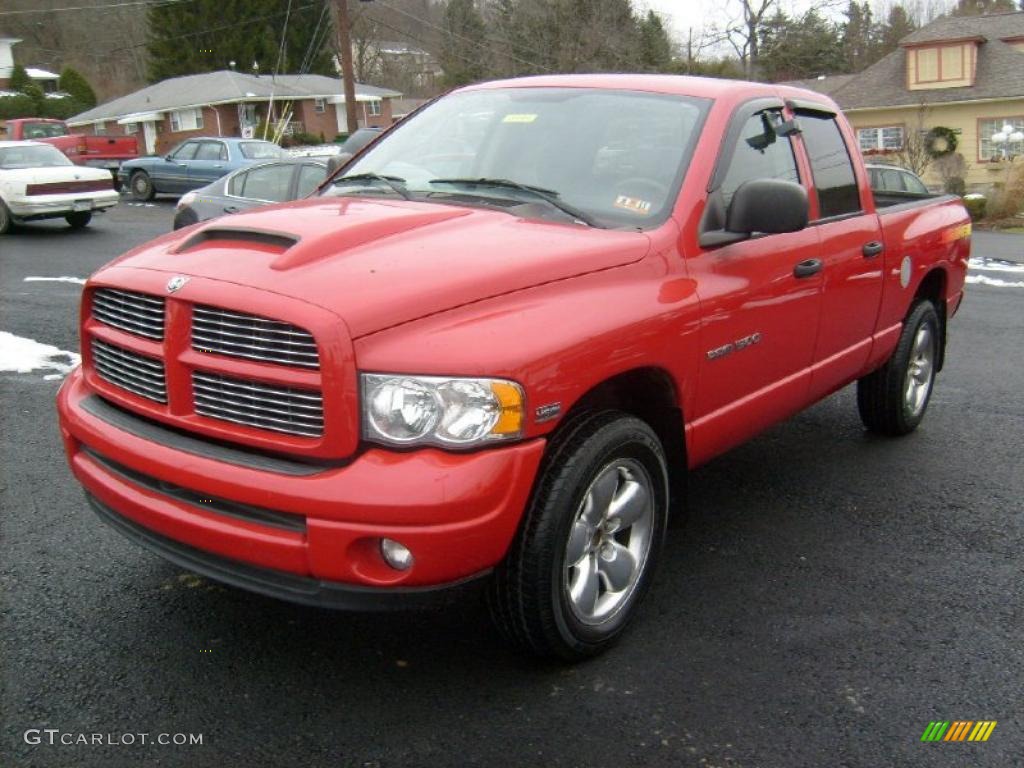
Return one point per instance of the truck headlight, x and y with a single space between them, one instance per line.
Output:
439 410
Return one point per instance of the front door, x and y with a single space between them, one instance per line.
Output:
759 315
149 137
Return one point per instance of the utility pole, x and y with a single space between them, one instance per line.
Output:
345 49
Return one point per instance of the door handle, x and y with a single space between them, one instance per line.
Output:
872 249
218 167
230 209
808 268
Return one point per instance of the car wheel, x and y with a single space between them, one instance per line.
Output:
141 186
893 399
587 546
5 219
79 220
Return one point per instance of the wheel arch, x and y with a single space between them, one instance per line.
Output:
650 394
933 287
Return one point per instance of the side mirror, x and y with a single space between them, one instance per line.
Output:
768 206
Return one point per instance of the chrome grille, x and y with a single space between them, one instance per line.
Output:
255 404
258 338
136 313
143 376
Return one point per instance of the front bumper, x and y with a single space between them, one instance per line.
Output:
300 531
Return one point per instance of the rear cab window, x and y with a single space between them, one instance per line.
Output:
831 165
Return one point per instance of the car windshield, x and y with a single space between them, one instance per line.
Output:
31 156
607 158
260 150
43 130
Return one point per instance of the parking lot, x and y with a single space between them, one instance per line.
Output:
829 595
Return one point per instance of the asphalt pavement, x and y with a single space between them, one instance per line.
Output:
830 594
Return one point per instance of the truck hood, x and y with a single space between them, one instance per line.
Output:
380 263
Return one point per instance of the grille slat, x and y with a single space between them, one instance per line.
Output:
133 312
140 375
236 334
255 404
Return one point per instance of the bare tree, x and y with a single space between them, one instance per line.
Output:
915 155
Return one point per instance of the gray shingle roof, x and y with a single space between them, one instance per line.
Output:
221 87
996 26
1000 73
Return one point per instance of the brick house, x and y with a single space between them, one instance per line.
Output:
229 103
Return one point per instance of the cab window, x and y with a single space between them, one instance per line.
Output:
831 166
760 154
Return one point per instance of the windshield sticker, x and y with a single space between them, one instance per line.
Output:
633 204
519 118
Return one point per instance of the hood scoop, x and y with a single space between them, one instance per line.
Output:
275 243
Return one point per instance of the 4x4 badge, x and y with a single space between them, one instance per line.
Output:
176 283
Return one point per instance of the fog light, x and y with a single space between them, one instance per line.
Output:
396 555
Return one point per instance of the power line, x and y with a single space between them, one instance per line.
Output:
106 7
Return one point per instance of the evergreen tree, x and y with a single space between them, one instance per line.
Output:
19 79
897 26
655 46
78 88
795 49
859 45
463 43
207 35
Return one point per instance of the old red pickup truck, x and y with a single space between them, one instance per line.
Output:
491 347
95 151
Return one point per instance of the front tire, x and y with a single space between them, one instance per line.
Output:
141 187
588 544
892 401
79 220
6 221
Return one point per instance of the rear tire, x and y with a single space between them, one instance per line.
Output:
79 220
893 400
141 187
589 541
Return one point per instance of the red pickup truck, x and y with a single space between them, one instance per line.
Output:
488 351
95 151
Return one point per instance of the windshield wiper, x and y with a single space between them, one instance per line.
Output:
391 181
547 195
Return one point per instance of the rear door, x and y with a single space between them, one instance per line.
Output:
851 245
209 164
759 317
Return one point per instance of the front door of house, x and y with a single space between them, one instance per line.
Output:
149 136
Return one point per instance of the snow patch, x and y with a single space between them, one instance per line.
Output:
61 279
993 281
21 355
995 265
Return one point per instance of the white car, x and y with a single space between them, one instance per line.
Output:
38 182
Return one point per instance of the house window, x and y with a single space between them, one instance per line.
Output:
988 149
319 105
131 128
100 129
884 139
187 120
373 108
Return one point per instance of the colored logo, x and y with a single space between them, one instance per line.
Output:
959 730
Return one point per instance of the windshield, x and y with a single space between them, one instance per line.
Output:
615 157
31 156
260 150
43 130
